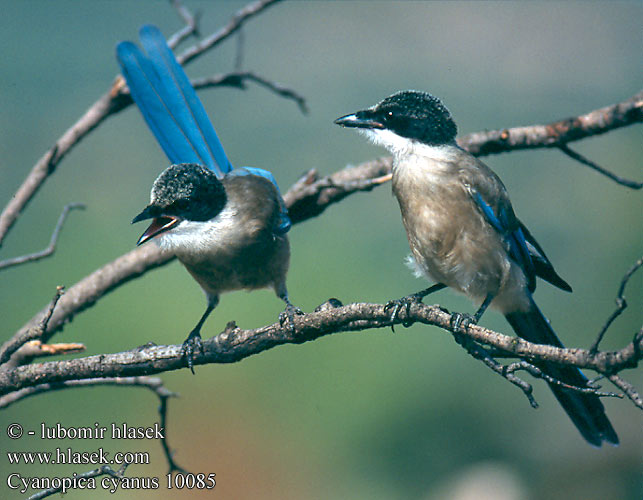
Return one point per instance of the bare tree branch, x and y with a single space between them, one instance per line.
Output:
51 248
311 195
34 332
36 349
191 24
154 384
480 353
628 389
235 344
557 133
238 79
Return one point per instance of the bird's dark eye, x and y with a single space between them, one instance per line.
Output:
180 204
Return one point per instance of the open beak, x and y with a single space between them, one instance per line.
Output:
159 224
358 120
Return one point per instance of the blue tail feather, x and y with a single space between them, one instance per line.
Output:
143 82
181 98
585 410
169 104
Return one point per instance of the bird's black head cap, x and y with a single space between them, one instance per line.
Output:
188 191
411 114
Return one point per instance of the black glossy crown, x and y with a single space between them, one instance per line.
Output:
415 115
189 191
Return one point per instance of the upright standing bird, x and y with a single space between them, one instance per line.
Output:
463 233
226 226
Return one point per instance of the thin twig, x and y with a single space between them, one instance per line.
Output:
36 332
481 354
154 384
534 371
37 349
238 79
237 21
103 470
191 24
621 304
169 453
628 389
586 161
51 248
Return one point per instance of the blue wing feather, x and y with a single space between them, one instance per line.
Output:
513 234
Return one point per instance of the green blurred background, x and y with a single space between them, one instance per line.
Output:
371 415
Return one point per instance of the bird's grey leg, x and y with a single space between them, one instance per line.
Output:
193 342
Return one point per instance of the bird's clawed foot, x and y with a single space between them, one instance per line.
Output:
460 321
191 345
405 302
288 315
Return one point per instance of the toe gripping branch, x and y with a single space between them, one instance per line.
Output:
191 345
288 315
405 303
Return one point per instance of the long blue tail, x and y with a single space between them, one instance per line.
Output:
585 410
169 104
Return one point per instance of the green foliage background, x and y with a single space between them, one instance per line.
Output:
371 415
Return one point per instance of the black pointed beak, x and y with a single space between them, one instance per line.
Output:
148 212
160 223
361 119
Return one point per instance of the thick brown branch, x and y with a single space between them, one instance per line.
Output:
557 133
235 344
311 195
